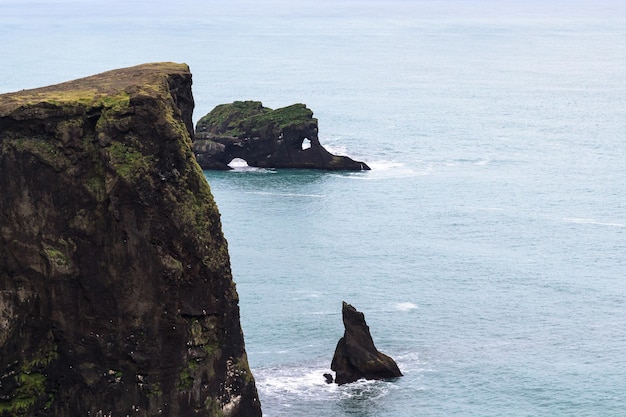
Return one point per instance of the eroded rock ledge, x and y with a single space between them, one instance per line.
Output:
116 294
265 138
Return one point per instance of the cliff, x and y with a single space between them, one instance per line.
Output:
116 294
266 138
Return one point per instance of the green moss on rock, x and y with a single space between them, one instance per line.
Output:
130 163
281 119
31 385
246 118
227 118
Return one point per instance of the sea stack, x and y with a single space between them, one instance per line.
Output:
356 357
265 138
116 294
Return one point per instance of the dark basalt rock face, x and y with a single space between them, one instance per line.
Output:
116 294
266 138
356 357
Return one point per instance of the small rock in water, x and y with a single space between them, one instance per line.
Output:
356 357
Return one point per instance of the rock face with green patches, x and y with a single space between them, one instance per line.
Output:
116 294
266 138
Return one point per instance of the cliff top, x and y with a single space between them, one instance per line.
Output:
116 294
107 89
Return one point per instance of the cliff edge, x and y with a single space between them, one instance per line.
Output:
116 294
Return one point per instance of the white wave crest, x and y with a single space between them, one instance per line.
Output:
305 384
384 169
385 165
336 149
287 382
405 306
287 194
577 220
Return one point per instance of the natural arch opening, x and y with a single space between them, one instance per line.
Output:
306 143
238 163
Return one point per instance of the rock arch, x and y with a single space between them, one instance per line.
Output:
266 138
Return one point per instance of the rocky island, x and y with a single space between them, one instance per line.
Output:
265 138
116 293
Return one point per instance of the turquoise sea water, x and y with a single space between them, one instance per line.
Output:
486 247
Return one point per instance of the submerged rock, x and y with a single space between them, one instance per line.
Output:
266 138
116 294
356 357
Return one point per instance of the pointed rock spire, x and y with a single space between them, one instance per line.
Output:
356 355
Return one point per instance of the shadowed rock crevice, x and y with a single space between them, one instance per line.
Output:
266 138
116 294
356 357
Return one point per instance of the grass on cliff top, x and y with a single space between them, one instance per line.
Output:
108 89
249 117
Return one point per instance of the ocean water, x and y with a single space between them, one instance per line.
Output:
487 245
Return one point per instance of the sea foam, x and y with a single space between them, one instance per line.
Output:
405 306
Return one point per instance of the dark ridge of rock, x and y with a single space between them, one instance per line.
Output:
116 294
356 357
265 138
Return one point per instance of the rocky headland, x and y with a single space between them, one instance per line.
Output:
116 294
265 138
